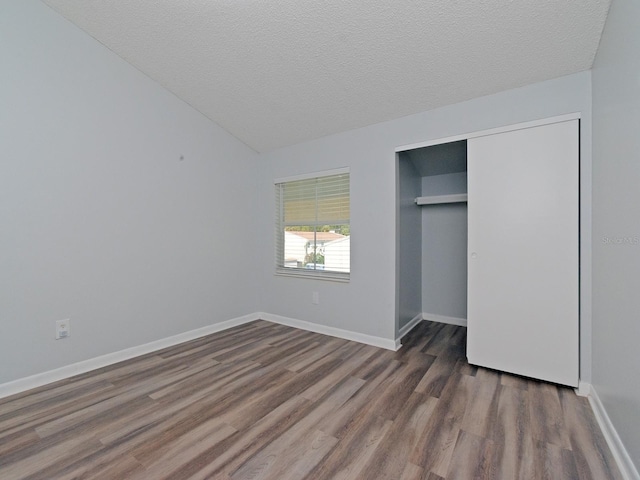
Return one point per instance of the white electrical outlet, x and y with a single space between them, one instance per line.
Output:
315 298
63 328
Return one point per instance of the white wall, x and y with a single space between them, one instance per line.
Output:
336 255
367 303
616 222
100 220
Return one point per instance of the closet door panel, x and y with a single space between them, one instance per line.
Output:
523 252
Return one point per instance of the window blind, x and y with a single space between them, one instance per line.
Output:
313 227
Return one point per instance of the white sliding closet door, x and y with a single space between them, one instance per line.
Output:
523 252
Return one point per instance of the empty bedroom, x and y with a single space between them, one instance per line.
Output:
319 240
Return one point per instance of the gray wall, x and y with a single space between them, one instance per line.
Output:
444 248
367 303
409 252
104 225
101 221
616 222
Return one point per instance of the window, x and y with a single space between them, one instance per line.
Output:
313 234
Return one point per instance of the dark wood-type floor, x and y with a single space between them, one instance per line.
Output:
265 401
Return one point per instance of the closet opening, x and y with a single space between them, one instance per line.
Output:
432 235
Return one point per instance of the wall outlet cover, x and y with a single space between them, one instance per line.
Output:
63 328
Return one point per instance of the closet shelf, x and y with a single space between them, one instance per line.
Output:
436 199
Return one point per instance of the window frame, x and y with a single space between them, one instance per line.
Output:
297 272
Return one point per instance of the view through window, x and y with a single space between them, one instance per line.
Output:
313 229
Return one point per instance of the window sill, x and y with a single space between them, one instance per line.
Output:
326 276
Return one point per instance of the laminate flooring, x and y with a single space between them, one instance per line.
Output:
266 401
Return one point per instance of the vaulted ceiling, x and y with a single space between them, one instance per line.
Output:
276 73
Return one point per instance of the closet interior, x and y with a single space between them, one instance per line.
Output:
434 183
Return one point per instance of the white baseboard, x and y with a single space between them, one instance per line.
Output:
584 389
385 343
434 317
407 328
40 379
622 457
627 468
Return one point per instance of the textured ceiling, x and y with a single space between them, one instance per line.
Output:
275 73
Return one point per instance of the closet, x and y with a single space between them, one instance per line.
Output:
434 216
488 228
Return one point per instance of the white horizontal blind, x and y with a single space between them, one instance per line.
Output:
312 227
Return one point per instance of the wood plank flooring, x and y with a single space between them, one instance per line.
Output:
265 401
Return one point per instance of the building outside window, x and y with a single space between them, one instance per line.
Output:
313 231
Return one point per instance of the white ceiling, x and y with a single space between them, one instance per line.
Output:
275 73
